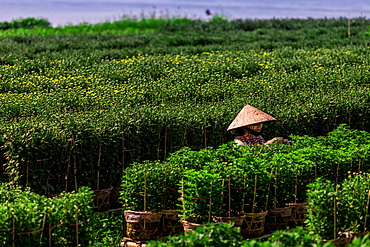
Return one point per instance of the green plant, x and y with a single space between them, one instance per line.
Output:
200 195
322 198
107 229
206 235
297 237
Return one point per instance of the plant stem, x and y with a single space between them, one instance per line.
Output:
254 192
367 211
144 192
210 203
99 159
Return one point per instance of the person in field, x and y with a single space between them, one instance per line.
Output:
249 123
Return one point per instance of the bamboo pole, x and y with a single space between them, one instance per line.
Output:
27 168
210 203
222 192
163 198
165 143
183 194
13 235
69 162
144 192
204 137
123 154
75 167
245 177
159 144
229 213
367 211
296 185
359 165
99 159
49 230
335 215
184 138
43 225
254 192
77 227
335 203
275 185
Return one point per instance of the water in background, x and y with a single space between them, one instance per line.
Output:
60 12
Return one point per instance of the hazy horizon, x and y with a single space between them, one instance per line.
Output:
60 12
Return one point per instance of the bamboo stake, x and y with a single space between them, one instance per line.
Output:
222 192
69 162
159 144
123 154
367 210
335 215
204 137
184 138
275 188
229 213
359 165
210 204
163 198
77 227
99 159
335 203
183 194
13 235
27 167
49 237
144 192
296 185
254 192
75 167
43 225
165 143
245 176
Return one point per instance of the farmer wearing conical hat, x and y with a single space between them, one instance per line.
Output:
249 123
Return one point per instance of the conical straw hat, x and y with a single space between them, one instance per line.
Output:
249 115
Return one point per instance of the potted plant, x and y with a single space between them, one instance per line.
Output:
142 189
201 197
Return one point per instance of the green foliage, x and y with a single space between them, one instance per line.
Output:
27 23
298 237
201 195
29 219
206 235
107 229
226 235
339 208
360 242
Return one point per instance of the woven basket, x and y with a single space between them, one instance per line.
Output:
101 199
171 224
277 219
253 225
114 198
142 225
238 220
299 213
189 226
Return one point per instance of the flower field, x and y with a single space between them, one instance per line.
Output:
62 111
81 106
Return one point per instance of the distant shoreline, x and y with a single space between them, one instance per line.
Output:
61 13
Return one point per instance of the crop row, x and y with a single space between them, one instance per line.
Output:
41 27
58 114
29 219
233 180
